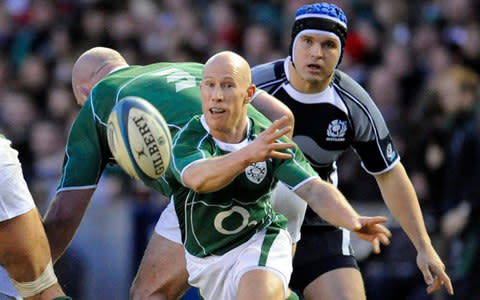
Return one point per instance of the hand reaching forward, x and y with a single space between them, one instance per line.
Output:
429 262
265 145
372 231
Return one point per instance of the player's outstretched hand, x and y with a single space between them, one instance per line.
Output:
266 146
433 271
373 231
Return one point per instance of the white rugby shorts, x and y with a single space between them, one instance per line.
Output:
15 198
218 277
168 226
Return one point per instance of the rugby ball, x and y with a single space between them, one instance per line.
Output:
139 138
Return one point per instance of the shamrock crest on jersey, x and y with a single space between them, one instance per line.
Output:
256 172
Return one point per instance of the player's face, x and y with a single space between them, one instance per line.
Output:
225 94
316 56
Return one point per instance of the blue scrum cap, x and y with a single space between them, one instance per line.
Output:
324 17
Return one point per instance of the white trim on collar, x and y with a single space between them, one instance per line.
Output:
117 68
328 95
227 146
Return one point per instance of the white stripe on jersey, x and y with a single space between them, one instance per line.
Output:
375 130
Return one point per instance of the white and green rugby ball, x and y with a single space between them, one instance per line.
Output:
139 138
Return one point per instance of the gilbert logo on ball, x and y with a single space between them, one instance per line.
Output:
139 138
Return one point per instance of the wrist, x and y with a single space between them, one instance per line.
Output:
423 245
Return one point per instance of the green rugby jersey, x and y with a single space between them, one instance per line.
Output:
173 88
214 223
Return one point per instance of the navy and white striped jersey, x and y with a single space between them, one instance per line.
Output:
330 122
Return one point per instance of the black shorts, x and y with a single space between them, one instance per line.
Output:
319 251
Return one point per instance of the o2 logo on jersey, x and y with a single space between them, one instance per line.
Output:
256 172
220 217
336 131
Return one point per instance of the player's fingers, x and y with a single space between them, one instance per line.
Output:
377 220
282 146
383 230
280 155
280 132
436 284
283 121
376 246
384 239
448 285
427 275
278 124
443 278
272 134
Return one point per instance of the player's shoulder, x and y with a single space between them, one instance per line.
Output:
268 73
192 135
349 87
192 128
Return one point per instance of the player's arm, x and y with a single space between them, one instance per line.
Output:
273 109
85 159
329 203
400 197
63 217
216 172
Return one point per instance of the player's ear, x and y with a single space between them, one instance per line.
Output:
250 92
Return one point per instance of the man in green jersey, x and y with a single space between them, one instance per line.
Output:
224 166
24 250
103 76
100 78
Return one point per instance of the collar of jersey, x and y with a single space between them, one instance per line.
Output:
227 146
116 69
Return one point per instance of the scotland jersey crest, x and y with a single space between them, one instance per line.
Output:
256 172
336 130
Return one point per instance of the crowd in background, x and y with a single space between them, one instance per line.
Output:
418 59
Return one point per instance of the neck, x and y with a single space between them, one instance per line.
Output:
233 135
305 86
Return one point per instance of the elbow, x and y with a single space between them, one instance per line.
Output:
291 122
291 118
197 188
198 185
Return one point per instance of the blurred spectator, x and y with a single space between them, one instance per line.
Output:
224 25
47 140
258 45
60 106
458 91
33 78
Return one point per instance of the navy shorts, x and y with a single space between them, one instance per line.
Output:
321 249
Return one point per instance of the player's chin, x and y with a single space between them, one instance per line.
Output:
315 77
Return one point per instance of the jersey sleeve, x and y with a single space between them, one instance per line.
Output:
188 147
372 142
295 172
86 153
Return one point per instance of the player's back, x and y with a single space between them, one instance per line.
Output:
171 87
